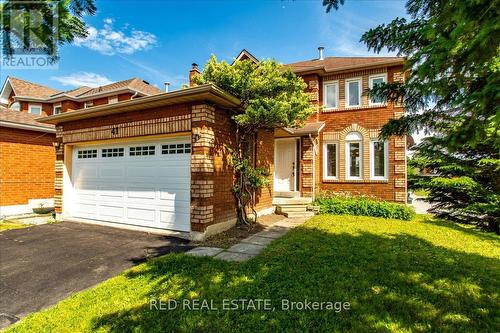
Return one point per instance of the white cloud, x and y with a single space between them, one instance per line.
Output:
82 79
110 41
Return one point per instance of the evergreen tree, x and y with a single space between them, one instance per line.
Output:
452 90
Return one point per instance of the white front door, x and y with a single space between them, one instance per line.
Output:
140 183
284 161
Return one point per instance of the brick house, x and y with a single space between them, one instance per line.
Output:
26 163
26 146
160 162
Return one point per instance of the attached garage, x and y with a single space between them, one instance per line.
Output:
157 164
144 183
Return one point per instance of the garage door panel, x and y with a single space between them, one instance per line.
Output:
140 172
179 195
141 193
111 172
111 210
141 214
150 190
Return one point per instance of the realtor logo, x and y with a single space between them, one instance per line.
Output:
29 34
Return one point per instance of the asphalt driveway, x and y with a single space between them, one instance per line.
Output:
41 265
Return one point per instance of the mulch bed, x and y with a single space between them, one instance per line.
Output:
237 233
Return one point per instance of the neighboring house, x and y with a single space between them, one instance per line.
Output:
26 163
159 162
25 96
27 155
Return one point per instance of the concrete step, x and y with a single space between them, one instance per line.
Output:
287 194
299 214
280 201
294 208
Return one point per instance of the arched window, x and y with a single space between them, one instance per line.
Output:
354 155
16 106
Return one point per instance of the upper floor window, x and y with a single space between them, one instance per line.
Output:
89 104
374 81
353 92
330 95
57 109
16 106
354 155
113 99
330 160
35 109
379 159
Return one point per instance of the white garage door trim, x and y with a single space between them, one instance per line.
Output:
143 183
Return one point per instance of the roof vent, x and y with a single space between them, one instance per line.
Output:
320 49
167 85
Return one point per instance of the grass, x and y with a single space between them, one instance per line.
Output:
8 225
398 276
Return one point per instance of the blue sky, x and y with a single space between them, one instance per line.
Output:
158 40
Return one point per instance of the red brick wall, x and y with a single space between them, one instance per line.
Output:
265 158
368 118
211 173
70 106
47 108
26 166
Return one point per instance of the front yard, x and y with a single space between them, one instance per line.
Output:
398 276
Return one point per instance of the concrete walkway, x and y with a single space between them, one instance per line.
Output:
250 246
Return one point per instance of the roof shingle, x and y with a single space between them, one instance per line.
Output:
18 117
30 89
331 64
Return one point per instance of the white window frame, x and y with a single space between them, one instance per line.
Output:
88 104
348 157
346 87
57 106
31 106
330 83
18 106
112 99
325 160
372 160
370 84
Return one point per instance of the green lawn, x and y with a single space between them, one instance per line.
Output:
7 225
398 276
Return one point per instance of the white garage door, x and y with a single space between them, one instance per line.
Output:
142 183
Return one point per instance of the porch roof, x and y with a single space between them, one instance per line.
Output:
308 128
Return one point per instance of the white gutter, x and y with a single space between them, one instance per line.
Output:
27 127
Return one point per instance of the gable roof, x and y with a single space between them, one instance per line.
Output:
23 120
334 64
135 83
243 55
30 89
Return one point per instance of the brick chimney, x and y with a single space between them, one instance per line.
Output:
192 73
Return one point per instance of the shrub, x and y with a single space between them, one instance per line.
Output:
363 206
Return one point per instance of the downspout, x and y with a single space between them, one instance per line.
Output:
134 95
313 166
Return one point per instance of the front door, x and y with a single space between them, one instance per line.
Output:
284 161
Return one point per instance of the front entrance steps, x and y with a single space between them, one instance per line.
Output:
293 207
